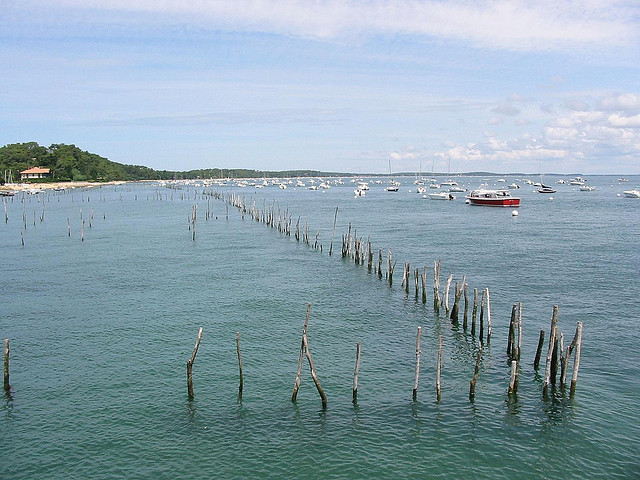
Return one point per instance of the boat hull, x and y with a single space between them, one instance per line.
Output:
495 202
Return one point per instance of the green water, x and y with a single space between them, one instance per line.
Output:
101 330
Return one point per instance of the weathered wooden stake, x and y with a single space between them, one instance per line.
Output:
519 331
296 385
190 365
576 361
446 294
474 313
536 362
476 372
417 374
313 372
239 365
511 337
7 387
513 381
355 374
488 317
335 219
465 318
436 286
552 347
439 368
483 301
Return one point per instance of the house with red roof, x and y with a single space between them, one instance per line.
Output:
34 172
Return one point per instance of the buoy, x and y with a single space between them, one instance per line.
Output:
550 198
514 213
467 202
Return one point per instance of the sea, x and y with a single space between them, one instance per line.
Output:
104 290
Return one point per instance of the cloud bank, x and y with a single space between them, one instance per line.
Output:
501 24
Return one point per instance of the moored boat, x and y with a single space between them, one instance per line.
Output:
492 198
632 193
441 196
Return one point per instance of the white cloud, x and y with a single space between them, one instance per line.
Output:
500 24
616 120
585 139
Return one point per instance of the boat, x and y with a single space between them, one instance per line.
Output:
421 190
492 198
457 188
441 196
632 193
577 181
7 193
546 189
392 188
622 180
449 183
587 188
514 186
359 193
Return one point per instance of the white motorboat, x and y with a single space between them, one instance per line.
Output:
632 193
587 188
441 196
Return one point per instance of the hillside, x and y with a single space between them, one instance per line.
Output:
68 162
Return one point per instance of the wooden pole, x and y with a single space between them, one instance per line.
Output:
536 362
513 381
552 346
296 385
239 365
305 344
446 294
7 387
483 301
488 317
439 368
474 313
576 361
355 374
465 315
190 365
476 373
519 331
417 374
512 334
436 286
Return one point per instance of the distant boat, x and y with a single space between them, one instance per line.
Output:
492 198
632 193
449 182
392 188
513 186
621 180
441 196
587 188
457 188
577 181
546 189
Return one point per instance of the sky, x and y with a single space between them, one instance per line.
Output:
368 86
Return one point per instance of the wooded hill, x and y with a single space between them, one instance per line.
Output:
68 162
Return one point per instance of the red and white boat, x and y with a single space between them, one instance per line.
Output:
493 198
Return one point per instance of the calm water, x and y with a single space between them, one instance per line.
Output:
101 330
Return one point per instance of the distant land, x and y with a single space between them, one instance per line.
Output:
70 163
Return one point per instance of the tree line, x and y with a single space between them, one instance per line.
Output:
70 163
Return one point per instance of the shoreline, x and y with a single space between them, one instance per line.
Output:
21 187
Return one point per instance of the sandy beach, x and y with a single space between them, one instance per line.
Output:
18 187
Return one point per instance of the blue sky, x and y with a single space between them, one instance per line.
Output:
333 85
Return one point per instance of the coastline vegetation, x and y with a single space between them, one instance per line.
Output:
70 163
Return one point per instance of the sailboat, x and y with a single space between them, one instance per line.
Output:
393 185
544 188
